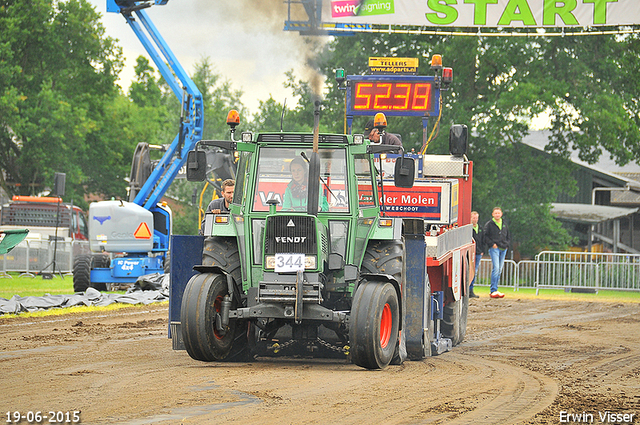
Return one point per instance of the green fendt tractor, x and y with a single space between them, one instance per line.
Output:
306 263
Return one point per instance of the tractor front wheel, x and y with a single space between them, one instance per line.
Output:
200 317
201 305
373 331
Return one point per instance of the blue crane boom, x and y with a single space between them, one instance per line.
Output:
191 122
138 233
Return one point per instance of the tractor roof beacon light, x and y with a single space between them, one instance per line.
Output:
233 119
447 76
436 62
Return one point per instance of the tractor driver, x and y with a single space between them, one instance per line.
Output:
295 195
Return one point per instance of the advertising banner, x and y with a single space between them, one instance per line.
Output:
485 13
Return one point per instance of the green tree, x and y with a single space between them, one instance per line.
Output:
59 71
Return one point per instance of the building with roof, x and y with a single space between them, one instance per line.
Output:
604 214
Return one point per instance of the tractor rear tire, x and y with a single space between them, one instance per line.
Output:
384 257
387 257
223 252
375 319
454 322
201 303
81 273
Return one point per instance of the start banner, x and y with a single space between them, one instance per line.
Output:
485 13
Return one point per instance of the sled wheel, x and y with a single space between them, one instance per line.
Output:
373 331
454 321
201 303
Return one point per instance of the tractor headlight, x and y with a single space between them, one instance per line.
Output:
310 262
247 137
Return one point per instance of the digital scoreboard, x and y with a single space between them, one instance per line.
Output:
393 95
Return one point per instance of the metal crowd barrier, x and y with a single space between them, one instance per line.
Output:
33 256
594 270
567 270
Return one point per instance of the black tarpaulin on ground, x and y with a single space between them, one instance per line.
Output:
148 289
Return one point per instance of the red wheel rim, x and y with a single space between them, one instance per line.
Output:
386 323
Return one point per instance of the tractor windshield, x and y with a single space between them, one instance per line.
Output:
283 176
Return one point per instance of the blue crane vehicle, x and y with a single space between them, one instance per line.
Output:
136 233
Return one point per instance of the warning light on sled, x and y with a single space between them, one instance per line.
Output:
436 62
447 76
380 120
340 76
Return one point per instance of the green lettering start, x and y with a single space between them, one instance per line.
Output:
517 10
445 12
450 13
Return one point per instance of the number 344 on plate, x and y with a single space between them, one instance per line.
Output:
289 263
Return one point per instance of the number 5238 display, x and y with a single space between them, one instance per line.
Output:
405 97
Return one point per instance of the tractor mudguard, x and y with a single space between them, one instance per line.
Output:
386 233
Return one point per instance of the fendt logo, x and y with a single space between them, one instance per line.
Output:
291 239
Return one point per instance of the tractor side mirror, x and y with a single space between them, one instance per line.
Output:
404 172
196 166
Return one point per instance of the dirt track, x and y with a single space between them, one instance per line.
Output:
523 361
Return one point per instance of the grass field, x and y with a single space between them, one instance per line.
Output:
37 286
559 294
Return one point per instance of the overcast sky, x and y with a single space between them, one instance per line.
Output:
243 39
